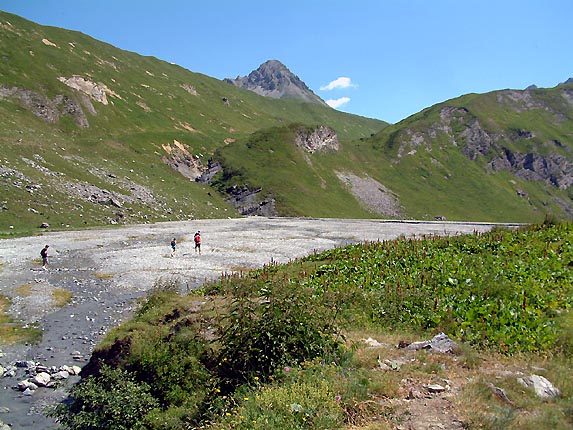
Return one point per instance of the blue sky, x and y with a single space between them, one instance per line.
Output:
384 59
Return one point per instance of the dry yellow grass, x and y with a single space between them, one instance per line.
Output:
61 297
472 380
25 290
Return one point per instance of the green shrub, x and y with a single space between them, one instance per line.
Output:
500 290
310 396
281 325
112 401
172 366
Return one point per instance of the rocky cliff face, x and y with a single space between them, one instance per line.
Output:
322 138
528 153
273 79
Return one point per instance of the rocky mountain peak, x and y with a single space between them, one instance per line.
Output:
273 79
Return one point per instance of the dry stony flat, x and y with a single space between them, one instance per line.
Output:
107 270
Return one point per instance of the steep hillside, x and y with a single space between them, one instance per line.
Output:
501 156
298 170
497 156
91 134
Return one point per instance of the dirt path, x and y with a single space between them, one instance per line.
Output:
106 270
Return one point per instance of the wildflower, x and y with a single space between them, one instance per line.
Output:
287 369
246 399
338 398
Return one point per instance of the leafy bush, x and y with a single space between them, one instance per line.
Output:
303 405
279 325
113 401
172 366
502 289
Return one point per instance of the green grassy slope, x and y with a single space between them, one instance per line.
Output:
151 103
302 184
452 159
439 162
424 159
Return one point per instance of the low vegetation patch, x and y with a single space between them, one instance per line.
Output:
25 290
11 331
61 297
313 344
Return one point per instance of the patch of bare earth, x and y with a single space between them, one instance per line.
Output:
427 390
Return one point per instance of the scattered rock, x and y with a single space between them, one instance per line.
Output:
27 385
372 343
500 394
114 202
439 343
42 379
435 388
543 388
371 194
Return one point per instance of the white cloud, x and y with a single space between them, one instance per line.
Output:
335 104
341 82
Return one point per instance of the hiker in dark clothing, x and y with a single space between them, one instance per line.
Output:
44 254
173 246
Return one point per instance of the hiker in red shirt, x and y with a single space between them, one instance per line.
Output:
197 239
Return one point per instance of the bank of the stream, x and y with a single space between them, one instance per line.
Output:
107 270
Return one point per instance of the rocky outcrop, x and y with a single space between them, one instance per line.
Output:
249 201
96 91
273 79
553 169
72 106
459 127
179 158
246 200
319 139
44 108
213 167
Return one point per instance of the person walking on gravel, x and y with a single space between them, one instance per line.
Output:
44 254
197 240
173 247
